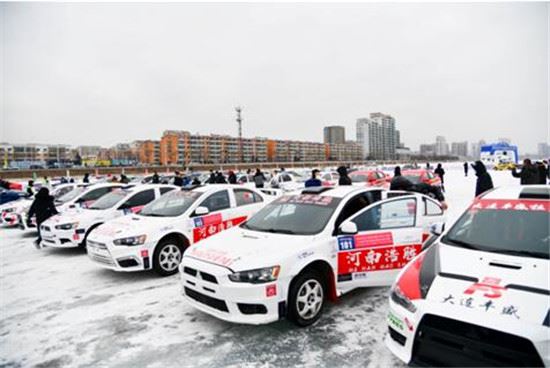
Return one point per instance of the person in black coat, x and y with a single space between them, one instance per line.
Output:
220 179
465 169
86 178
529 173
543 172
156 178
232 178
439 171
344 177
484 181
42 208
178 180
259 179
399 182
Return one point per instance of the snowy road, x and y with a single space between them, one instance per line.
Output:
59 309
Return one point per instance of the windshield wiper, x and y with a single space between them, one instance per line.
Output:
461 243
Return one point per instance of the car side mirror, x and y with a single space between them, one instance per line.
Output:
437 229
201 211
348 227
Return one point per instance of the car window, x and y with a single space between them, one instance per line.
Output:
172 204
62 191
355 205
217 201
431 208
244 197
326 177
388 215
96 193
286 178
165 190
358 178
139 199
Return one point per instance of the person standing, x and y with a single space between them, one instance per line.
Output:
439 171
259 179
156 178
178 180
529 174
220 179
86 178
465 169
543 172
344 177
30 186
314 180
232 178
484 181
42 208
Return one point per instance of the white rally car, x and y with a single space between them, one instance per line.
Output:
157 237
480 294
13 213
71 229
301 249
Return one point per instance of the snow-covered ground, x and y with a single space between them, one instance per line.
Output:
59 309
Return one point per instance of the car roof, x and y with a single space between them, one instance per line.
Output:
414 171
212 187
538 192
342 191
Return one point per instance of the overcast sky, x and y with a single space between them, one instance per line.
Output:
106 73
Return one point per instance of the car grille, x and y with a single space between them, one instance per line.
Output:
101 259
207 300
443 341
204 275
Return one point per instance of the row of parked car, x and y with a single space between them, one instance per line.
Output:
476 293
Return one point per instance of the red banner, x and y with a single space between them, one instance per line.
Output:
203 232
511 205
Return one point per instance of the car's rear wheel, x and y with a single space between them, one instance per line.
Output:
167 257
306 298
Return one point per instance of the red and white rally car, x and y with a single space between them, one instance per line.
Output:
480 294
372 178
157 237
301 249
417 176
71 228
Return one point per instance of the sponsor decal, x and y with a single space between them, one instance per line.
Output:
409 324
395 321
306 199
483 304
373 252
511 205
271 290
203 232
213 219
215 256
489 286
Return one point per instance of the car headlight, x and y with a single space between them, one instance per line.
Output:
69 226
256 276
132 240
398 297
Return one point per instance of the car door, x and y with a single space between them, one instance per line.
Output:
388 237
219 217
247 203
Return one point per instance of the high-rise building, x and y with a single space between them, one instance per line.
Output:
427 150
459 149
476 149
441 146
543 150
334 134
377 136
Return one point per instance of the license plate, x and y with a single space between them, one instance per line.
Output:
98 251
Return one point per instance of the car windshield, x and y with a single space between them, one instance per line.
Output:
71 195
521 231
109 200
171 204
305 214
358 178
415 179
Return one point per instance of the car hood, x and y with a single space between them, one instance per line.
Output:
83 216
131 225
239 249
503 286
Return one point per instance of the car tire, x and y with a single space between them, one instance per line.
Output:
82 244
167 257
306 298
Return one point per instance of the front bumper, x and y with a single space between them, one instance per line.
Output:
403 336
207 287
106 254
56 238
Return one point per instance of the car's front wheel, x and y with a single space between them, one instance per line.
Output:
167 257
306 298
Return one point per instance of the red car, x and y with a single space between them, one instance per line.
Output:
421 176
372 178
